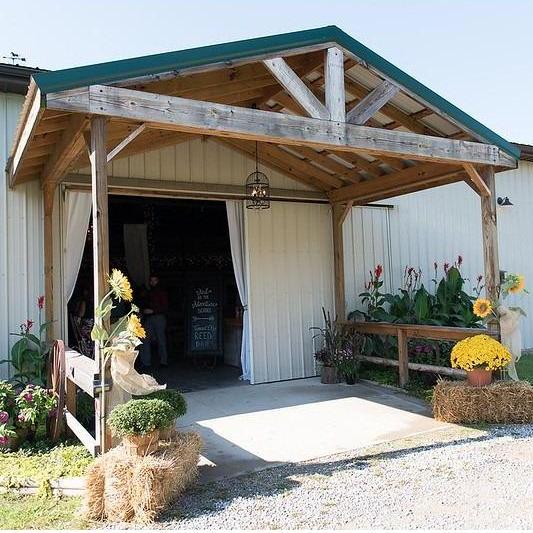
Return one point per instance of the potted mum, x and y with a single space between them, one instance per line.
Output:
138 422
177 403
479 356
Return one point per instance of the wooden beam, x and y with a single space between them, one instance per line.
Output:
121 145
337 213
66 151
334 84
490 235
31 114
477 181
187 189
48 233
179 114
372 103
390 184
289 80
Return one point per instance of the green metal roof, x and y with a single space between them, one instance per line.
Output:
113 71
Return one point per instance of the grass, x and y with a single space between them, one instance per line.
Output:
43 462
34 512
524 366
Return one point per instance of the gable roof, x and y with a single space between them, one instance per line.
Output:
114 71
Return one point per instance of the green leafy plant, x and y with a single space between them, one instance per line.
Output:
139 417
172 397
29 355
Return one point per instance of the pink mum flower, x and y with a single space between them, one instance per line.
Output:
4 417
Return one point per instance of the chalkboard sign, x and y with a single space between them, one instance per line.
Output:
205 313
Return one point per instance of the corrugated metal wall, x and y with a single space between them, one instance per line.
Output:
438 225
21 240
290 269
201 161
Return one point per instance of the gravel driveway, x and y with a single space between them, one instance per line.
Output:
456 478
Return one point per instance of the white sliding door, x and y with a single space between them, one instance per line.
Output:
290 258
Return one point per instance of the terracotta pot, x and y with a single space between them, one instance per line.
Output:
13 444
169 432
479 377
329 375
141 445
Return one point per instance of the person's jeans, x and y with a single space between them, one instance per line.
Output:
155 326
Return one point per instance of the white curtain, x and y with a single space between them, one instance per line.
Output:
235 211
78 213
136 250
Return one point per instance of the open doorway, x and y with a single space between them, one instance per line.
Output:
177 254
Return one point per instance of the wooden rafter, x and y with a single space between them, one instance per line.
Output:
372 103
477 181
392 184
291 82
129 139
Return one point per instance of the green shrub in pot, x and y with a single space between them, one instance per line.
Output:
140 417
172 397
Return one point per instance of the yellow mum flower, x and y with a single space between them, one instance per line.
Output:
120 285
480 351
519 285
482 307
135 327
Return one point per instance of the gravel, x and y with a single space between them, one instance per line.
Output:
458 478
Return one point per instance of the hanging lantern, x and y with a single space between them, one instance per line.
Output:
257 188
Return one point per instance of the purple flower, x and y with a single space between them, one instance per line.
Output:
28 397
21 417
3 440
4 417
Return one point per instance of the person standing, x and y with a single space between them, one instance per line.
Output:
155 323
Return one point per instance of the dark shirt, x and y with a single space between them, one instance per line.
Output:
157 301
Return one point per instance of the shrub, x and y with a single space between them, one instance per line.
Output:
139 417
172 397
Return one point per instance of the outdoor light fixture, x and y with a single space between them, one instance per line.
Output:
257 187
503 202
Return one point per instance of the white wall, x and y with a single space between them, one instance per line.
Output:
438 225
21 240
290 268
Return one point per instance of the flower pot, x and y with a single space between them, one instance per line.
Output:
13 443
350 380
169 432
479 377
329 375
141 445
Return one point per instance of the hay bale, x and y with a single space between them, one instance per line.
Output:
502 402
125 488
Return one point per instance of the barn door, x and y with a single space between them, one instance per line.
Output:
367 243
290 269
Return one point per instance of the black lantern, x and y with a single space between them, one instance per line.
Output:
257 188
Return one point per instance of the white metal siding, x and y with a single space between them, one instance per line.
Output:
21 239
200 161
438 225
290 269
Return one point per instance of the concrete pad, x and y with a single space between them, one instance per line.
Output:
253 427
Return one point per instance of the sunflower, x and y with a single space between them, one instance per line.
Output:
482 308
120 285
135 328
518 285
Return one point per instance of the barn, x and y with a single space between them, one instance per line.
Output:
142 164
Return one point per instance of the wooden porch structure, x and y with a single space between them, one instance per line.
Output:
327 112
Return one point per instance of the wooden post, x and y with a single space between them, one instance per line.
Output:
338 215
403 358
490 240
48 196
100 219
334 84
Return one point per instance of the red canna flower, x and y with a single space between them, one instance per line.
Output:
459 260
446 267
378 271
40 301
479 278
25 327
435 266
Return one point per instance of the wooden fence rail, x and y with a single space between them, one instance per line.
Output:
404 332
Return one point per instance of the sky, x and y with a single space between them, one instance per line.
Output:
478 54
